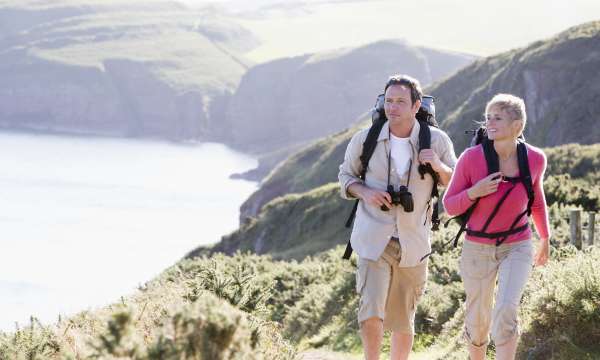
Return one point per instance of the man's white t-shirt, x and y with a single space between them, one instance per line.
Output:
401 153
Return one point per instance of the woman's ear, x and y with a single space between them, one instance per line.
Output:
517 127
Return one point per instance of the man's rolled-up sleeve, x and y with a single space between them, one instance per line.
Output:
350 168
446 151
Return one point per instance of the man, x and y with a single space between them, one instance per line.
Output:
393 245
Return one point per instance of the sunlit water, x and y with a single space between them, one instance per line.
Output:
86 220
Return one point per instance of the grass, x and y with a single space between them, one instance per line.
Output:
248 306
187 49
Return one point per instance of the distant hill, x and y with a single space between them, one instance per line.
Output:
118 68
558 78
159 69
295 100
461 97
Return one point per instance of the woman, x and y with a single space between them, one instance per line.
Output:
509 259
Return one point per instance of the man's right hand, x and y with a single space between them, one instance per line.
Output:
372 197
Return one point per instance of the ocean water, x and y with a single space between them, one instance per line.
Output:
84 221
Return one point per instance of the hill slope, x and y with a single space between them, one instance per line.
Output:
295 100
460 97
118 68
558 78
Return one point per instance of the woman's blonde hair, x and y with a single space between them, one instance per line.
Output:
514 106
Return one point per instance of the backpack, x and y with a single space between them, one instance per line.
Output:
493 165
426 118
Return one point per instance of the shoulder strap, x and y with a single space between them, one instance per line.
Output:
369 146
525 174
493 165
491 158
525 178
425 143
367 152
365 156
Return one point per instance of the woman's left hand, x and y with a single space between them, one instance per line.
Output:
543 253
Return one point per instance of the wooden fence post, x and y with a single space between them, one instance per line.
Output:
575 222
591 228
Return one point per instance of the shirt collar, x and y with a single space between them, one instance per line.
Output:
384 134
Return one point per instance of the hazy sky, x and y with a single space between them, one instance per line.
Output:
474 26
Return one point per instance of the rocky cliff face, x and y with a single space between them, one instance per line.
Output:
124 100
558 78
299 99
119 69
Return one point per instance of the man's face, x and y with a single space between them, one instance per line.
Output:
398 105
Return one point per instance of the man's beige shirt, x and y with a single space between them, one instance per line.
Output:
373 227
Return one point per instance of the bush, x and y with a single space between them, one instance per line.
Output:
561 309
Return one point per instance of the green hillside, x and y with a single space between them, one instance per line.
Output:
300 224
198 50
253 307
558 78
308 168
119 68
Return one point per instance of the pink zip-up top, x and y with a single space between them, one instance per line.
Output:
471 168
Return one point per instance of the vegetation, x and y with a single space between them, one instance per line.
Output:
177 316
296 225
249 306
320 163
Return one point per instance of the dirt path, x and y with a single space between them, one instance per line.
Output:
327 355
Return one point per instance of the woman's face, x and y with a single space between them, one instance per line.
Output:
500 126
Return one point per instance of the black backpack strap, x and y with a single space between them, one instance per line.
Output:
491 157
525 178
367 152
425 143
463 219
493 165
525 174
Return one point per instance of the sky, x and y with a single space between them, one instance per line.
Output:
477 27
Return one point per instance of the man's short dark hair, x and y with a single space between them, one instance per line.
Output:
413 84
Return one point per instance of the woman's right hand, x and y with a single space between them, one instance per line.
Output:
485 186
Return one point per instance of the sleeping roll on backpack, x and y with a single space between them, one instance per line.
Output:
426 118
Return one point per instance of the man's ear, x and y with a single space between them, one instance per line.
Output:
416 106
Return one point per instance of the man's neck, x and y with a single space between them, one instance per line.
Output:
402 129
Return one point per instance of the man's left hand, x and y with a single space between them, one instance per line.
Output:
428 156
